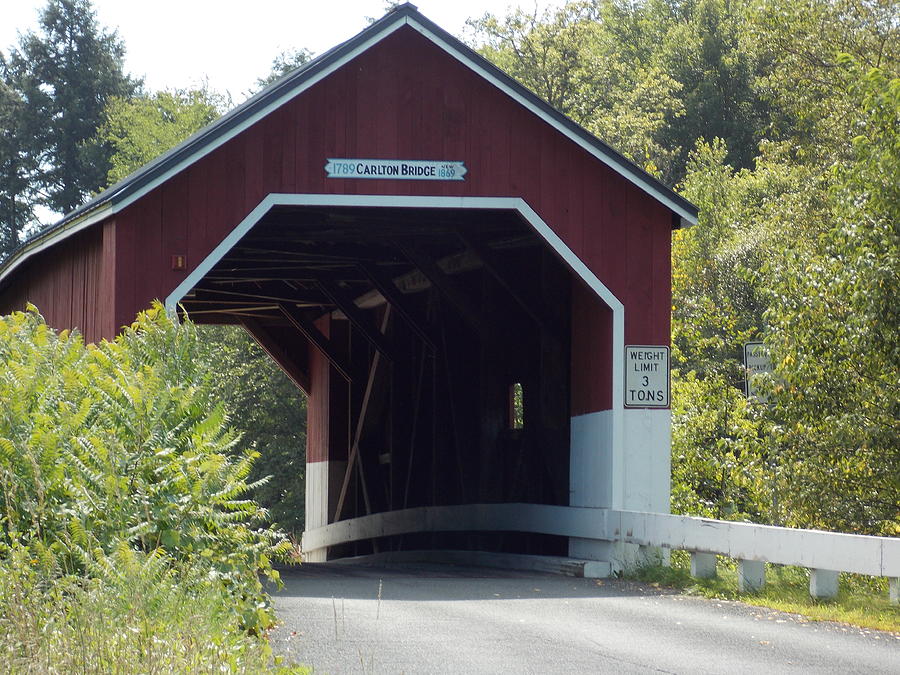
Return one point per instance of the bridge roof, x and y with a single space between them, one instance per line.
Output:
206 140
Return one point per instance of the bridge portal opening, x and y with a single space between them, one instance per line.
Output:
435 347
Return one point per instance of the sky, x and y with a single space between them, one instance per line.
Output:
179 43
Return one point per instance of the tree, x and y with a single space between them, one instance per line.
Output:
285 62
544 51
721 451
571 59
801 42
777 251
270 412
649 77
747 217
64 76
706 49
15 169
834 315
138 129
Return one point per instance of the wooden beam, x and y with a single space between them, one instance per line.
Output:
242 309
533 306
223 276
277 352
308 272
314 335
225 303
447 287
280 292
417 404
358 318
353 459
392 295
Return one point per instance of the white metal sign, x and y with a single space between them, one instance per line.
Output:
398 169
756 361
646 376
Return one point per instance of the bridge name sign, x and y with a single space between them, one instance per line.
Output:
398 169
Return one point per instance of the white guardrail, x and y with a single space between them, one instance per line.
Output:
825 553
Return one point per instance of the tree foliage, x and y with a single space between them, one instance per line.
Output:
834 315
271 413
16 168
721 449
64 74
650 78
570 59
127 443
804 43
802 251
140 128
284 63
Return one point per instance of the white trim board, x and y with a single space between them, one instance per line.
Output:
814 549
517 204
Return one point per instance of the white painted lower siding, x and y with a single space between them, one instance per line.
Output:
323 483
316 503
647 470
639 480
591 460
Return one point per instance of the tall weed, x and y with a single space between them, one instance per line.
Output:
133 612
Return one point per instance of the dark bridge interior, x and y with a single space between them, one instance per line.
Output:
426 322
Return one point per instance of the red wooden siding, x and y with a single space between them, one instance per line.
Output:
69 284
326 432
402 98
406 98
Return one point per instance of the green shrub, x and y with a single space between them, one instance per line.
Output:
721 450
270 412
125 444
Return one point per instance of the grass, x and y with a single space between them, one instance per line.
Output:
861 601
139 620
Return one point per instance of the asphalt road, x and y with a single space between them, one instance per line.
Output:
441 619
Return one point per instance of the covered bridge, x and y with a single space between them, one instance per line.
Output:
417 240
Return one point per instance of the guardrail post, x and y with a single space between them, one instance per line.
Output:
894 590
703 565
823 583
751 575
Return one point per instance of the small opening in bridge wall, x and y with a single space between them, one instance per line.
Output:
516 410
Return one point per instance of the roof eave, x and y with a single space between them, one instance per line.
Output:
47 238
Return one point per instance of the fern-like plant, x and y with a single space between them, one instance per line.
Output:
126 443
